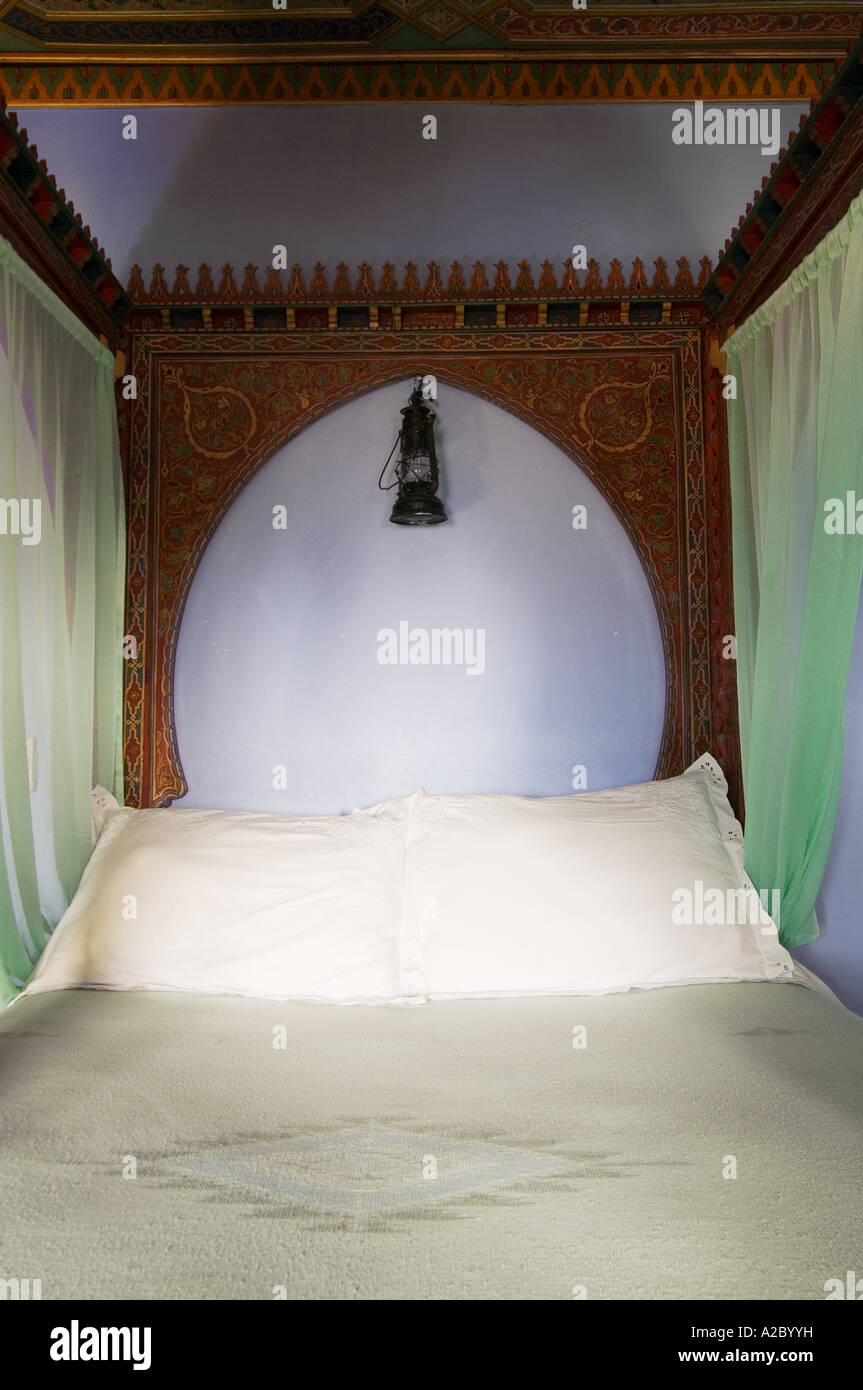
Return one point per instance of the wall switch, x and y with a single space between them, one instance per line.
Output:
31 763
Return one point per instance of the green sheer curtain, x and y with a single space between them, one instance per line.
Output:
62 552
796 453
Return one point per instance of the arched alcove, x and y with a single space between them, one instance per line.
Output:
277 661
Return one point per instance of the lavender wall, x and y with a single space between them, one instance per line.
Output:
277 662
837 954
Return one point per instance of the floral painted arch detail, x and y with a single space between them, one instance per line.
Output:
625 406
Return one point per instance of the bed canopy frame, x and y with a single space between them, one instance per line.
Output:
624 374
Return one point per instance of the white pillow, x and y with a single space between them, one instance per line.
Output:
218 902
441 896
101 801
579 895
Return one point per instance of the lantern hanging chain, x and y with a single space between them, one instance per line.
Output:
390 487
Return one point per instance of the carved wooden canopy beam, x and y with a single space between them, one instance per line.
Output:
807 191
46 231
462 283
474 296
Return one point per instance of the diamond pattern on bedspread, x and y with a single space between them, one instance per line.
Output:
366 1171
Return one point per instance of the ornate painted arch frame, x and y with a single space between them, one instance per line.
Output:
637 408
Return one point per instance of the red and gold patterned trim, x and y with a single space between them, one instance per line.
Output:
519 78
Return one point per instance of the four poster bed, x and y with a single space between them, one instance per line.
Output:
446 1047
